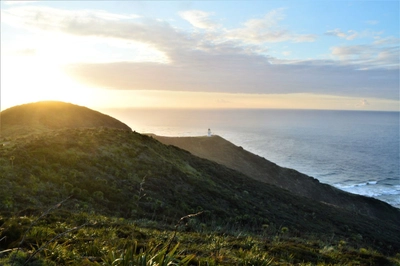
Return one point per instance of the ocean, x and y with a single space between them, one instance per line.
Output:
356 151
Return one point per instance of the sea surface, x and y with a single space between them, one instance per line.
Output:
355 151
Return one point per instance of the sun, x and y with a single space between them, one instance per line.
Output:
32 69
32 78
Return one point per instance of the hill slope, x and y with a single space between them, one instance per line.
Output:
43 116
120 173
222 151
105 169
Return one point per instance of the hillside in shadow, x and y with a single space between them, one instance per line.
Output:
217 149
112 179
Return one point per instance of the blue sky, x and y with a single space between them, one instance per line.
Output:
213 54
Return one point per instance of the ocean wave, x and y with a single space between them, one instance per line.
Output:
372 189
323 175
346 186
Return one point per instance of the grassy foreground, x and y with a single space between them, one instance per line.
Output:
74 192
107 197
59 237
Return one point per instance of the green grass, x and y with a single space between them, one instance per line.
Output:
114 241
123 195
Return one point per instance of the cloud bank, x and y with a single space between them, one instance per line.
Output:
211 58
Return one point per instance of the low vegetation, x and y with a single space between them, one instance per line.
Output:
65 238
103 196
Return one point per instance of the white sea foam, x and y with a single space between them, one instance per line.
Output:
378 191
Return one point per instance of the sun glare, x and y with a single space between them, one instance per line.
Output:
32 69
32 78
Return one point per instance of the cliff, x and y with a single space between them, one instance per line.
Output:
219 150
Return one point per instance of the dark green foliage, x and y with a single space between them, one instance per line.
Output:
104 241
147 187
220 150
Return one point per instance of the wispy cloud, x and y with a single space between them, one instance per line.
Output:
349 35
52 19
387 41
266 29
369 56
378 52
352 34
222 60
246 75
19 2
199 19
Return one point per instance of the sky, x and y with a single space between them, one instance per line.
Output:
202 54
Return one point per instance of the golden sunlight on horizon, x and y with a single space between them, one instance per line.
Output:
33 78
102 55
38 74
26 81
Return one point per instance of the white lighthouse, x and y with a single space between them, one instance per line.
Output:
209 133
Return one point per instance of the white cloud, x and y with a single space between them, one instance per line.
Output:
223 60
354 51
381 52
269 20
369 56
199 19
387 41
93 27
264 30
52 19
18 2
241 74
349 35
352 34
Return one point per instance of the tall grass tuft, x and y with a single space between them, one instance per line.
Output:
153 255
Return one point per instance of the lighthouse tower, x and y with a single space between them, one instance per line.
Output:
209 133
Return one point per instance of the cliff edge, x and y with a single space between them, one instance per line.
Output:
217 149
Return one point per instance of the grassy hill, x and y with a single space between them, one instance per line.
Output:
217 149
90 195
44 116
